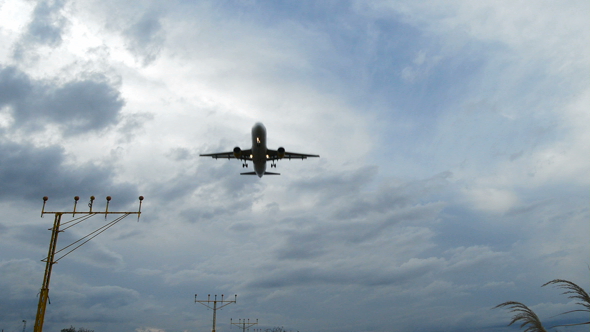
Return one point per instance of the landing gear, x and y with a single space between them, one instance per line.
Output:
273 165
245 165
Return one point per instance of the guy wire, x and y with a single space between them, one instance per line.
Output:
99 230
83 218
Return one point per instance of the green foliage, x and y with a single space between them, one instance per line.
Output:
524 314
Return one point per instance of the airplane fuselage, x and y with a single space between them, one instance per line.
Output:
259 148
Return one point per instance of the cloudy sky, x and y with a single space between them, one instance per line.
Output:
454 141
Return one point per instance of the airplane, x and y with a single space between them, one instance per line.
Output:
259 154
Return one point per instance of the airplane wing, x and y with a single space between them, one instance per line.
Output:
282 154
245 155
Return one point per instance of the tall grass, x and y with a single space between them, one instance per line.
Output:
524 314
575 292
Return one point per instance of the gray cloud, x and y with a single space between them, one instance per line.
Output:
46 28
15 86
345 242
329 237
302 245
145 37
18 285
344 183
235 193
84 305
345 192
84 105
47 25
334 274
76 106
31 172
111 297
19 278
132 124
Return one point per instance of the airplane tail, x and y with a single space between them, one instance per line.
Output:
248 173
271 173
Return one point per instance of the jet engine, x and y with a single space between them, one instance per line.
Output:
280 152
237 152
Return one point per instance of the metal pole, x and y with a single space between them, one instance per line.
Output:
50 260
214 312
242 323
215 308
44 294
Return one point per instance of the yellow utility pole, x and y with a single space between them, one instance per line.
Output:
215 308
50 259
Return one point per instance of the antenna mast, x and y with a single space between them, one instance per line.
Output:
215 308
50 259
